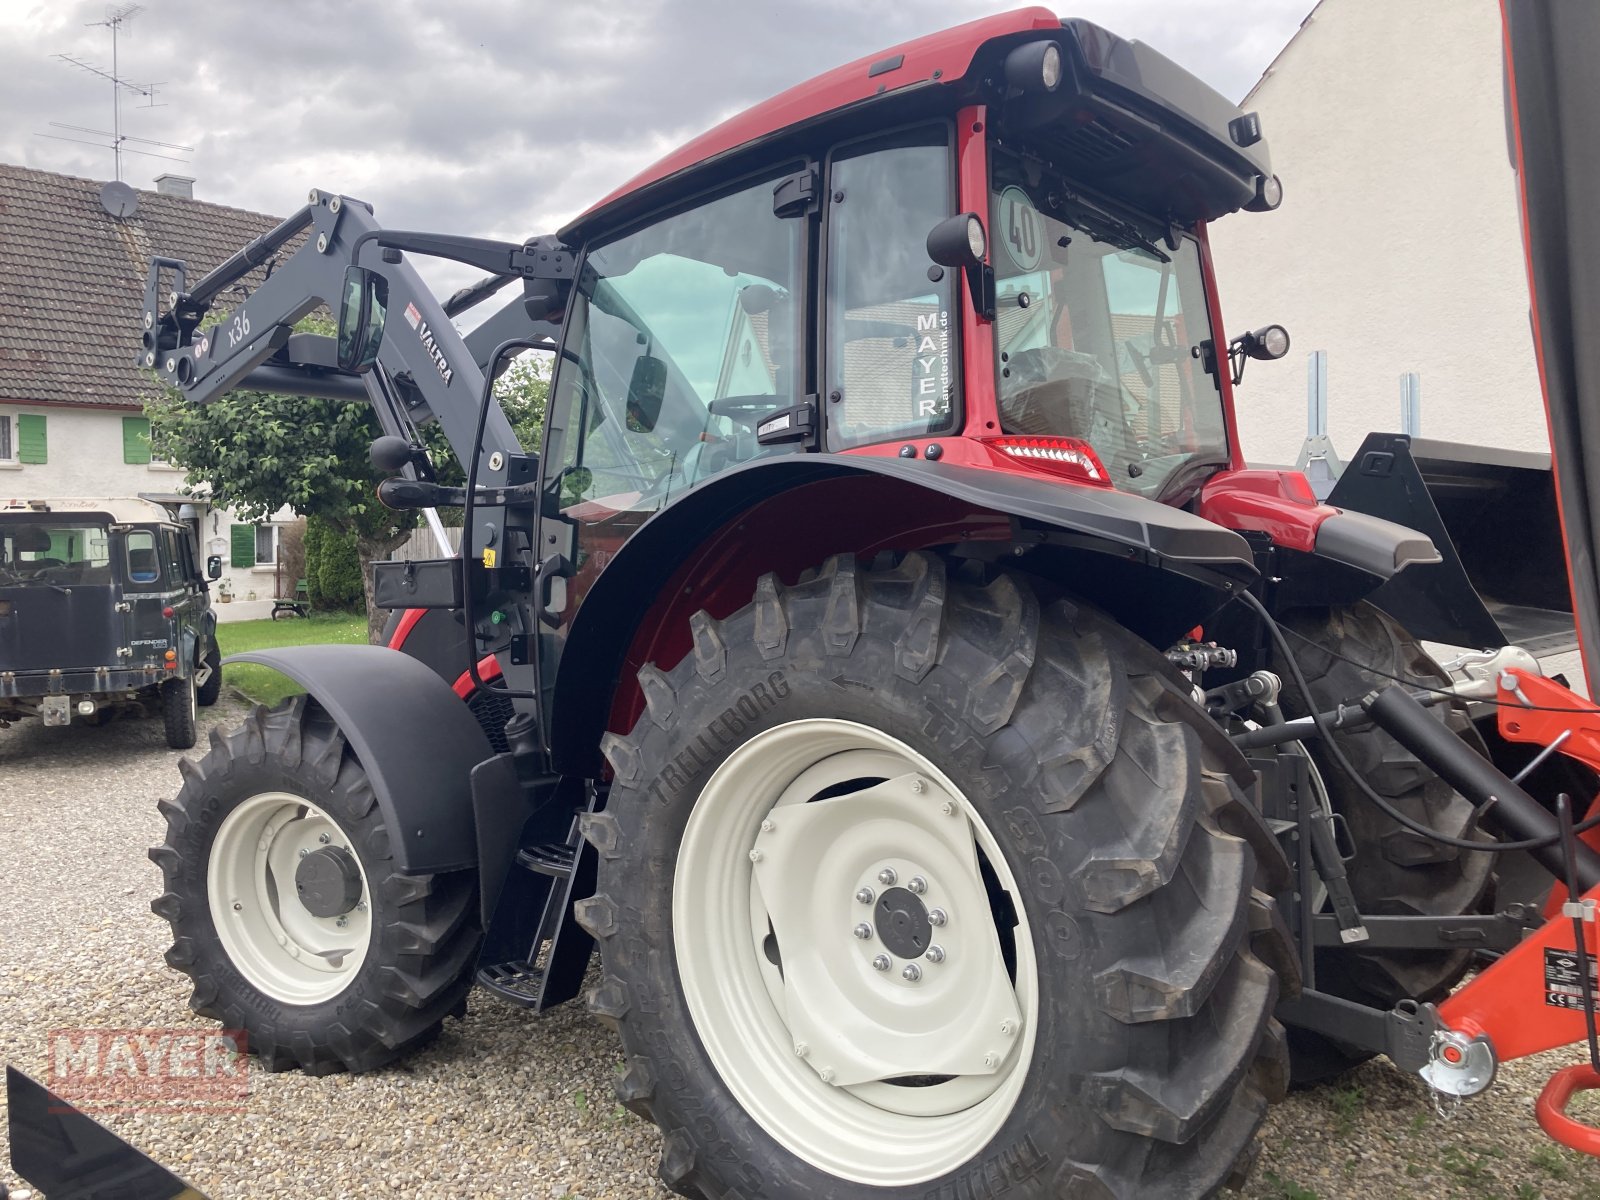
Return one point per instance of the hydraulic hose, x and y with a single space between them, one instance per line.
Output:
1476 778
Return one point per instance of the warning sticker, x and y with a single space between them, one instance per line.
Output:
1563 986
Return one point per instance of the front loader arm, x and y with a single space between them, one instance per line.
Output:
425 369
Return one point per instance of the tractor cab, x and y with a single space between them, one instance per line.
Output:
1004 266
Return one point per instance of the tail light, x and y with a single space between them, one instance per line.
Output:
1066 457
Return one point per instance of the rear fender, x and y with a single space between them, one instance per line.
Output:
417 742
707 550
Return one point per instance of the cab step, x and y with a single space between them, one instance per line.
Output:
519 982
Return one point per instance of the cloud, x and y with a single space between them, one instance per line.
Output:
485 117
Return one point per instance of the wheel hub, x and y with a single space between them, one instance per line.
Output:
328 882
903 925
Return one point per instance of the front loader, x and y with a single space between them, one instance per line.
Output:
975 778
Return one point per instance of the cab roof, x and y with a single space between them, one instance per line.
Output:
941 58
121 509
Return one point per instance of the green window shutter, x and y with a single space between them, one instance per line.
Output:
244 545
135 439
31 447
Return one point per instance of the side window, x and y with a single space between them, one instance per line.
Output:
684 334
891 330
144 565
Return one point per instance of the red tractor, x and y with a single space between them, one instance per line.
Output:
966 766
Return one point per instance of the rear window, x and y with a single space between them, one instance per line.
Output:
44 550
144 563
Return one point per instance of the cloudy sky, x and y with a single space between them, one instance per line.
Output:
489 117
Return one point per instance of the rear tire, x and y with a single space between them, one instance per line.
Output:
208 692
286 780
1396 872
178 717
874 713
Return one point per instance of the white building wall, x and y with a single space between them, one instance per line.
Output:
1398 246
85 459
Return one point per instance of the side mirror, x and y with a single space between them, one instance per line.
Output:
361 317
647 388
960 241
214 567
1267 343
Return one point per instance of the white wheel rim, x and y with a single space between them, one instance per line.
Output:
283 949
809 1050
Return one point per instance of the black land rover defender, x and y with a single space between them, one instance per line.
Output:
103 611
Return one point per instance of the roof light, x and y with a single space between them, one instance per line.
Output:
1067 457
1050 69
1269 194
1033 66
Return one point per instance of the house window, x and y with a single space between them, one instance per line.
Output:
266 545
8 440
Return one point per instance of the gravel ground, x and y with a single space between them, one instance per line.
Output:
505 1104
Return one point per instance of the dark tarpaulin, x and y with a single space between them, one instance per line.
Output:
1553 75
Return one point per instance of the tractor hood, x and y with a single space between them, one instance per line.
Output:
1553 103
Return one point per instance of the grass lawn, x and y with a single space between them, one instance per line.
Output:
264 685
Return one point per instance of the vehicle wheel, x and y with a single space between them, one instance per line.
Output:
178 715
912 887
287 911
208 692
1395 872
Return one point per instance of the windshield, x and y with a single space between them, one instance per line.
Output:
44 551
1098 333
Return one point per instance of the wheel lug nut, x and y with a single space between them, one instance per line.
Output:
912 973
935 953
990 1060
887 877
882 963
1008 1028
863 931
826 1075
755 856
304 852
767 827
237 907
948 809
917 785
342 922
917 885
937 916
324 838
865 896
801 1049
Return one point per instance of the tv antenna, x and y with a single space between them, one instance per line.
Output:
115 19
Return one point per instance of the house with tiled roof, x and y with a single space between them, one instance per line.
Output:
72 277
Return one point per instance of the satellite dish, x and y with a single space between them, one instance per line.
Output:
118 199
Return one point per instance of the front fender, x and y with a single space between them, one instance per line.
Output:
417 742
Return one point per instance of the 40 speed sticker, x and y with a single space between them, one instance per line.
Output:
1563 985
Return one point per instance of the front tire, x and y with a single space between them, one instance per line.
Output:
1095 1023
347 967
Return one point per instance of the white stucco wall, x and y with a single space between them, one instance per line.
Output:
85 459
1398 245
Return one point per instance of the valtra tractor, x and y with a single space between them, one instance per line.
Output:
975 778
